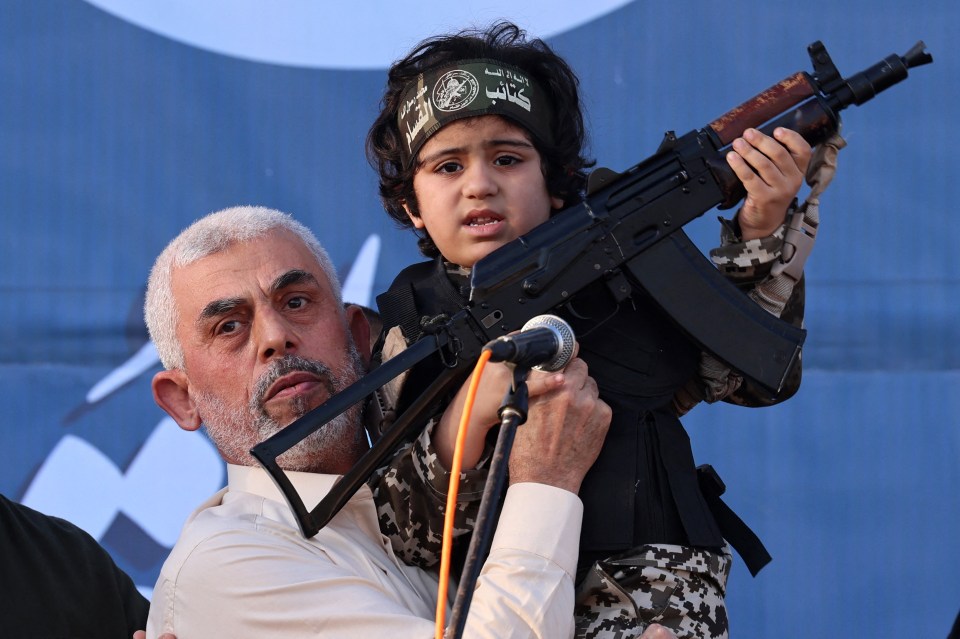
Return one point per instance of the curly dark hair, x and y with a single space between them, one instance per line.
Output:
564 165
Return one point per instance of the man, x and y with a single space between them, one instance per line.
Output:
244 308
57 581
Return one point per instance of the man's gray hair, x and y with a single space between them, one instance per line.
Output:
206 236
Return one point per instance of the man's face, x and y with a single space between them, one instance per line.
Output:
479 185
265 341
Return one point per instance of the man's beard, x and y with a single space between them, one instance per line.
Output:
235 430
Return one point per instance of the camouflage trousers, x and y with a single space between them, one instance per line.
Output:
678 587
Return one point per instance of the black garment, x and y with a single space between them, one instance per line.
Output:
643 488
56 581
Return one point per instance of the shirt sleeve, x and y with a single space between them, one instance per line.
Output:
526 587
231 585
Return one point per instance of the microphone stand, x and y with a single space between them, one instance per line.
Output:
513 412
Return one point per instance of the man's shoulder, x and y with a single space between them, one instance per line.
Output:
224 509
230 523
47 561
236 550
40 529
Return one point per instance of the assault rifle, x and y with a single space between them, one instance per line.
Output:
628 230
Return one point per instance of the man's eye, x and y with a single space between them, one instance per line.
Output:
296 302
228 327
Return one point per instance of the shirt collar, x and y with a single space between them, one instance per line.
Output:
312 487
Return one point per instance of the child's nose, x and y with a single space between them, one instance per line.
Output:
480 182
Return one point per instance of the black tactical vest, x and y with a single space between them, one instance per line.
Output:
644 486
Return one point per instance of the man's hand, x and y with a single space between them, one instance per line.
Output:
656 631
772 171
565 428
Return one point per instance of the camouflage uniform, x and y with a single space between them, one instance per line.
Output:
678 587
411 499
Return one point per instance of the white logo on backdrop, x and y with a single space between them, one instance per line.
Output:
357 35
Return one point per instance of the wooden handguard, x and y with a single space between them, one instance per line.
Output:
762 107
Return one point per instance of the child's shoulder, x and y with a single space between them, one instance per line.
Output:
415 272
417 290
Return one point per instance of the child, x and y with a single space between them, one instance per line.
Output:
480 139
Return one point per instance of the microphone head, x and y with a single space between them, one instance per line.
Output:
565 338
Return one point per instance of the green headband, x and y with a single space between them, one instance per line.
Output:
467 89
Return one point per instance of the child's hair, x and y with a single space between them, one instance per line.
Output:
563 163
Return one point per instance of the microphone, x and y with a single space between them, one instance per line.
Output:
545 342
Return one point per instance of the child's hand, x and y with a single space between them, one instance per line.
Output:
497 378
772 171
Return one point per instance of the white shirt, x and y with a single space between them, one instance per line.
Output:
241 568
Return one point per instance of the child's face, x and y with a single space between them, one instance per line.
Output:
479 186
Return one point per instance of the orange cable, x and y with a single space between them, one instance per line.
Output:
455 465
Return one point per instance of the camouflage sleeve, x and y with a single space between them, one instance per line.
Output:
770 271
410 494
753 271
748 265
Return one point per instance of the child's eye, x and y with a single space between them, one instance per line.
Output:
448 167
506 160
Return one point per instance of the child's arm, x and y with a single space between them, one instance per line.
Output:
772 170
411 495
494 383
411 490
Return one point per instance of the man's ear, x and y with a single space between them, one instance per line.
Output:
171 391
416 220
360 329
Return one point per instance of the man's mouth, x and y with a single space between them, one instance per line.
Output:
291 384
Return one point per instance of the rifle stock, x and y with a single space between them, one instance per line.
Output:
627 232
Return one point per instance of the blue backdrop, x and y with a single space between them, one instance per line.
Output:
115 133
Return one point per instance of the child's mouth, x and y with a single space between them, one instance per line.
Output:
483 221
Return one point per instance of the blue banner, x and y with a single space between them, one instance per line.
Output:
122 123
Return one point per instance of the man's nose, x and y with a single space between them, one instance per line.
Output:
274 335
